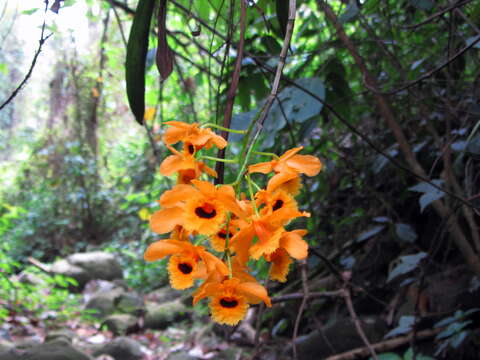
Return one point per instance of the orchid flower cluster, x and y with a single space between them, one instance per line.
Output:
214 231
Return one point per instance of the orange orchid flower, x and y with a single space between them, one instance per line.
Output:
192 134
268 229
201 208
230 298
291 245
187 262
287 169
275 201
185 164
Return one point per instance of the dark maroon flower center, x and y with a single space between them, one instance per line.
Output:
206 211
185 268
223 234
191 149
228 302
278 204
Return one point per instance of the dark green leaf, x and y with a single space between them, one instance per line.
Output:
404 326
369 233
136 57
407 264
350 12
406 233
422 4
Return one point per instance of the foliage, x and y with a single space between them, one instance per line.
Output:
28 294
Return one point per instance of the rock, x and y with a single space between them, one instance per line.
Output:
5 346
130 303
165 294
55 350
122 348
161 316
338 337
103 302
120 324
63 267
63 334
99 264
87 266
181 356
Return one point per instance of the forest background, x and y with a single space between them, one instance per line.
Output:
385 93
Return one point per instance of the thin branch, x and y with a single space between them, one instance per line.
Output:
220 167
303 271
428 74
437 14
42 40
358 325
360 353
311 295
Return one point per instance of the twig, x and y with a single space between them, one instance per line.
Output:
311 295
303 270
42 40
360 353
220 167
358 325
38 264
434 16
428 74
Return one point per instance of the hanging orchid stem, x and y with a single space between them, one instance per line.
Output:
250 191
229 161
227 244
219 127
275 156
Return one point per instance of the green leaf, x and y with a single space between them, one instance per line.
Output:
137 48
350 12
430 193
407 264
369 233
425 5
388 356
404 326
30 11
405 232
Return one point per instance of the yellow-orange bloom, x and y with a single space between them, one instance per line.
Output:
185 164
275 201
268 229
192 134
287 169
201 208
291 245
187 263
230 298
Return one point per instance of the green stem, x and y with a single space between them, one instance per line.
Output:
224 128
275 156
229 161
250 191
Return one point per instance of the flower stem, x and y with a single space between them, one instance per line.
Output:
229 161
224 128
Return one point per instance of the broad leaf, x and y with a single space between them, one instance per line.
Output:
407 264
136 56
404 326
430 193
369 233
405 232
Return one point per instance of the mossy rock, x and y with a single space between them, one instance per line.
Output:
121 348
103 302
55 350
161 316
120 324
